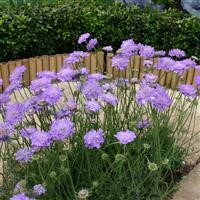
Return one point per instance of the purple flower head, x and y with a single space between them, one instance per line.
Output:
109 98
4 99
92 106
17 74
39 189
197 67
6 130
24 155
96 76
47 74
21 196
67 74
179 67
12 87
74 57
62 129
109 86
160 53
165 63
26 132
83 38
94 139
125 137
120 61
40 139
148 63
107 48
143 124
91 44
71 104
146 51
189 63
188 90
1 82
39 85
51 95
14 113
92 89
177 53
84 71
197 81
129 48
149 80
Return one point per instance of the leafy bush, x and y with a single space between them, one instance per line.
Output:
36 30
97 137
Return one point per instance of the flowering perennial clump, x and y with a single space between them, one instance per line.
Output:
75 130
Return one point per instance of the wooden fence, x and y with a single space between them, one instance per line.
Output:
98 62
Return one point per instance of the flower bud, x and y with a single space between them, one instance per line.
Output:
83 194
120 157
62 158
53 174
152 166
146 146
95 184
104 156
165 161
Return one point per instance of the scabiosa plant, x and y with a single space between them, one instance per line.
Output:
177 53
92 106
39 190
125 137
24 155
83 38
188 90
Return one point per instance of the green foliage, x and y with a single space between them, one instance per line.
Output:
50 29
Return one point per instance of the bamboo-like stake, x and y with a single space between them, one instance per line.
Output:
26 77
5 74
52 63
155 71
11 66
1 87
128 73
168 79
174 80
64 56
33 68
190 76
136 66
38 64
93 63
87 62
59 62
45 63
100 62
109 67
162 77
141 68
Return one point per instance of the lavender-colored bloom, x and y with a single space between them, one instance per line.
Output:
129 48
84 71
6 130
12 87
40 139
188 90
71 104
149 80
92 106
179 67
120 61
4 99
62 129
94 139
67 74
109 86
107 48
146 51
91 44
51 95
47 74
109 98
74 57
143 124
160 53
197 67
26 132
14 113
24 155
96 76
125 137
39 85
177 53
83 38
92 89
21 196
164 63
16 75
189 63
1 82
39 189
148 63
197 81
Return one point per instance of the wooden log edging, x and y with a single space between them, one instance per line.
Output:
96 62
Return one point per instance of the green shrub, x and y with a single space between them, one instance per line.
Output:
36 30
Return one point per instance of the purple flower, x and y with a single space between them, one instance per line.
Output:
39 85
16 75
96 76
47 74
197 81
84 71
120 61
94 139
146 51
26 132
107 48
4 99
6 130
148 63
71 104
24 155
40 139
189 63
91 44
109 98
14 113
125 137
188 90
83 38
128 48
21 196
160 53
67 74
39 189
12 87
143 124
179 67
109 86
164 63
1 82
177 53
149 80
92 106
62 129
74 57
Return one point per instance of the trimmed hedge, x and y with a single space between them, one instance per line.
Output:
31 31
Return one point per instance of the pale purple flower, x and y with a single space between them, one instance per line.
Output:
26 132
189 63
96 76
188 90
4 99
71 104
83 38
17 74
125 137
6 130
1 82
21 196
92 106
74 57
128 48
160 53
84 71
143 124
109 86
47 74
179 67
94 139
107 48
120 61
148 63
24 155
61 129
39 189
67 74
177 53
39 85
165 63
149 80
197 81
109 98
91 44
12 87
146 51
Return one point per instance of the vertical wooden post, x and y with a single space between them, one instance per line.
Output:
162 77
45 63
141 68
27 72
52 63
100 62
38 64
93 63
11 65
190 75
109 67
33 68
5 74
59 62
136 67
174 80
168 79
87 62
